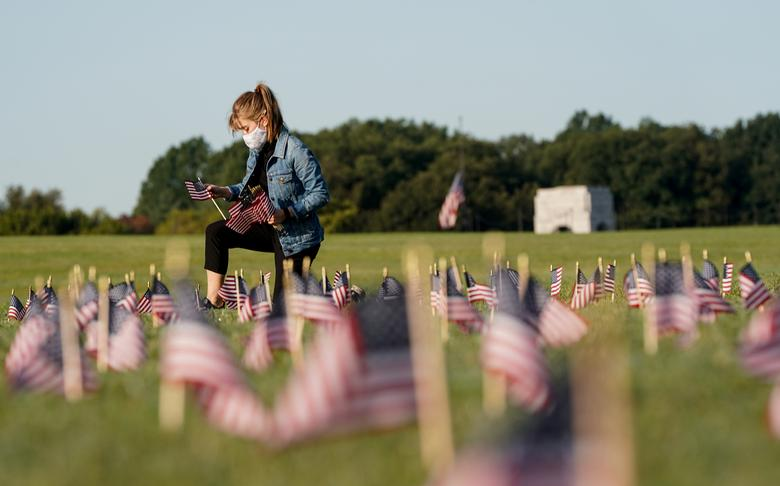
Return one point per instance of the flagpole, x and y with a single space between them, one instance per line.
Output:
725 261
71 356
614 279
102 325
215 203
445 322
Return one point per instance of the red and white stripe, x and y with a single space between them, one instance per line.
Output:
583 295
510 349
754 293
556 281
197 355
481 293
260 211
672 314
559 326
760 343
728 275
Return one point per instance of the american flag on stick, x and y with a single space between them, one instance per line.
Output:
510 347
197 190
340 293
637 289
194 352
126 341
459 309
390 289
308 301
34 362
87 306
609 278
253 206
448 214
759 349
162 302
673 309
556 280
245 309
32 299
478 292
710 273
728 276
752 289
261 306
15 309
144 305
123 295
271 333
709 299
584 291
355 378
228 292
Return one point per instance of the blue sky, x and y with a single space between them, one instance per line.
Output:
93 92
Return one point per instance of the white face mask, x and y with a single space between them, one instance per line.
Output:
256 138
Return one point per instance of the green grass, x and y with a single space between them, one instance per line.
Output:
698 418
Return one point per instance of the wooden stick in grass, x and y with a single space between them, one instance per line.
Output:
349 275
576 280
493 244
385 273
71 355
601 273
172 399
458 282
92 275
267 290
102 325
725 261
237 294
443 315
324 281
650 328
433 408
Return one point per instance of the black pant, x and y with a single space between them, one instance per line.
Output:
259 237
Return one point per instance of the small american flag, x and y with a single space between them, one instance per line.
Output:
435 292
123 295
637 289
709 300
340 293
759 349
32 299
598 284
459 309
754 292
195 353
559 326
479 292
448 214
584 291
126 341
259 300
34 361
357 377
50 303
556 280
249 210
144 305
710 273
197 190
674 309
390 289
15 309
162 302
609 279
510 347
87 305
728 275
245 309
308 301
228 292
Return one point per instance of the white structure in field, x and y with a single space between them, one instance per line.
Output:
579 209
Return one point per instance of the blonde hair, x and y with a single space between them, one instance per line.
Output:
254 105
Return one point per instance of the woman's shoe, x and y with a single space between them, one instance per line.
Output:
205 304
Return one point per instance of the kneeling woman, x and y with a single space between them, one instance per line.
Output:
290 173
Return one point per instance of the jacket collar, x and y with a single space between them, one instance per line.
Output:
281 143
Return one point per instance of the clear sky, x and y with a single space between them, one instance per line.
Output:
93 92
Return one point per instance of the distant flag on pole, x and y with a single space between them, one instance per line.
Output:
245 310
673 309
340 293
637 288
162 302
556 280
448 214
754 292
709 299
197 190
87 305
478 292
584 291
15 309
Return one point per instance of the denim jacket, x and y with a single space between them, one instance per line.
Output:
294 181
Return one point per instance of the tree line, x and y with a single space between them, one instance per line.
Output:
392 175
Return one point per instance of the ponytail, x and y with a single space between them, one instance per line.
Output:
255 105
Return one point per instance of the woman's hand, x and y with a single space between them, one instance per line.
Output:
278 217
218 191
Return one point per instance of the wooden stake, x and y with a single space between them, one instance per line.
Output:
705 254
127 280
458 282
152 277
102 329
445 323
237 294
349 275
384 273
267 291
748 257
433 408
92 273
722 293
132 276
650 328
324 281
71 355
215 204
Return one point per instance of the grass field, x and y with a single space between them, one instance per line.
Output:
698 418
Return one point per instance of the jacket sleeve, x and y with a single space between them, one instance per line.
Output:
251 162
315 190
